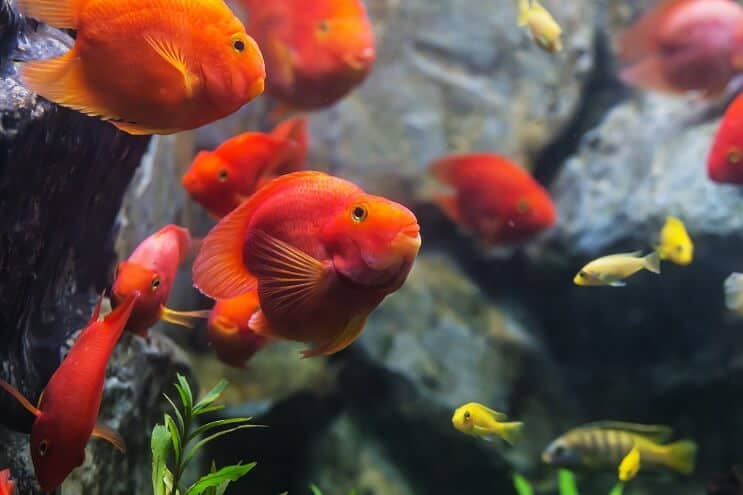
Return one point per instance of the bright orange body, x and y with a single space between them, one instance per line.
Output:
725 161
683 45
222 179
150 271
321 252
493 197
67 411
7 487
115 70
228 329
316 52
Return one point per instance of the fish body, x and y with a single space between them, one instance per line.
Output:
228 329
493 197
543 27
684 45
7 486
150 271
68 408
675 243
482 422
613 269
630 465
222 179
604 445
733 288
148 68
316 52
321 252
725 160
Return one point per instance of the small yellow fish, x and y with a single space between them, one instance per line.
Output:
612 269
675 243
630 465
480 421
543 27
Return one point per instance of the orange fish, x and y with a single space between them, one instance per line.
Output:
150 271
683 45
321 252
68 407
316 52
220 180
7 487
493 197
149 68
725 161
228 329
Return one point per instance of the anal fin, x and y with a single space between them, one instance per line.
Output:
349 333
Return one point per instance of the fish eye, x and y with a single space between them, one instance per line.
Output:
359 214
324 26
155 284
467 415
734 155
222 175
679 249
43 447
559 451
583 274
238 43
523 206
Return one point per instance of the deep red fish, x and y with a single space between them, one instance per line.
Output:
493 197
315 52
321 252
228 329
7 486
220 180
725 161
684 45
68 407
150 271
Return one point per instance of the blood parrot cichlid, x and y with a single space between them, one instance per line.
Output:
7 486
480 421
675 243
228 330
316 52
321 252
725 160
222 179
150 271
148 68
68 407
683 45
604 444
493 197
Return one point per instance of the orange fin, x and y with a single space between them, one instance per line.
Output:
96 310
106 433
288 276
117 319
219 270
284 69
259 324
294 128
175 57
20 398
352 330
448 205
648 73
140 130
57 13
182 318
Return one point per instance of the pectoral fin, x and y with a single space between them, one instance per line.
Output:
284 70
106 433
20 398
172 54
349 333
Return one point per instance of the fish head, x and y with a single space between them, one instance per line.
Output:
373 242
533 212
682 252
231 315
462 419
725 159
562 453
54 454
586 277
132 278
208 178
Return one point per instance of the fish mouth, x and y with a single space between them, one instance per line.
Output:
361 61
408 240
256 88
224 326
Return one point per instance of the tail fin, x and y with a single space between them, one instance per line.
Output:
733 291
652 262
512 431
681 456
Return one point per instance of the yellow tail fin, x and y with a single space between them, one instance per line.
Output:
681 456
652 262
511 432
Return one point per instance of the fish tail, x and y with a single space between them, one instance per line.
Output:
681 456
733 291
652 262
57 13
523 12
511 432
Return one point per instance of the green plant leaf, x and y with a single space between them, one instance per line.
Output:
566 480
315 489
175 438
352 492
198 445
184 390
226 474
160 447
210 396
178 414
617 490
201 430
522 485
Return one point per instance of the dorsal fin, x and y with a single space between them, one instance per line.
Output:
657 433
97 309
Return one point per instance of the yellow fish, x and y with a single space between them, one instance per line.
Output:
480 421
543 27
675 243
612 269
630 465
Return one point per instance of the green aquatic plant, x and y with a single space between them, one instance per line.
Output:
316 490
565 481
522 485
175 443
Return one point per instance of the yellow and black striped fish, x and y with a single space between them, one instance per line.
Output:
603 445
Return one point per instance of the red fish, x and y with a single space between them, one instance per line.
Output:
228 329
725 161
683 45
150 271
68 407
148 68
7 486
316 52
222 179
494 198
321 252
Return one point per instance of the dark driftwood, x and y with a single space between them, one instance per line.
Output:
62 179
